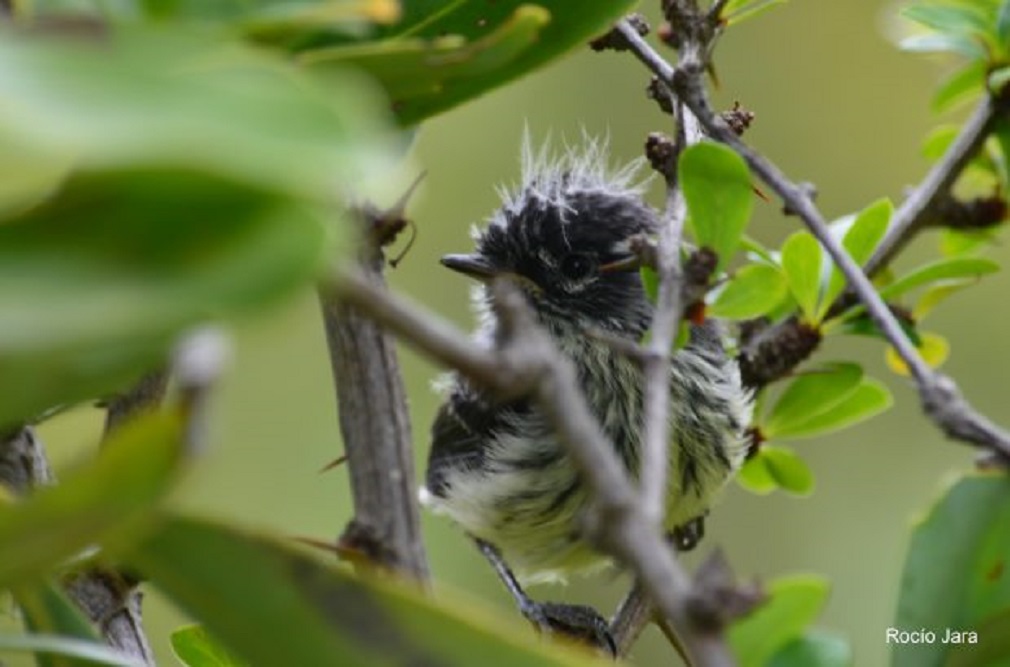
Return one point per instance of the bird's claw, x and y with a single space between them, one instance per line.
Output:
575 621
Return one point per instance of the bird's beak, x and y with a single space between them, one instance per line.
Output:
629 263
474 266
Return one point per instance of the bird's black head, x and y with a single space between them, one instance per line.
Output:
562 236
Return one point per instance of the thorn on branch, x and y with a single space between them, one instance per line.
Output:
384 225
614 40
738 118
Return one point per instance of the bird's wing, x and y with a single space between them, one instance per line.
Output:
464 427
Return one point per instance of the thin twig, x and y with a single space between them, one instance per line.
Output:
529 362
921 205
941 399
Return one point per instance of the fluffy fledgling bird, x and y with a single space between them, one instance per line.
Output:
497 468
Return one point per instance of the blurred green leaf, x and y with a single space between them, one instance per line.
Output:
960 87
96 282
870 398
811 394
998 79
755 476
47 611
992 651
793 604
943 43
58 650
195 648
789 471
1003 23
717 187
108 498
956 572
801 261
937 294
650 282
737 11
957 242
178 99
859 241
940 270
813 649
753 291
273 605
461 50
948 17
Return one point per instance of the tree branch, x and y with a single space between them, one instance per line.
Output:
530 363
374 421
941 399
923 204
111 599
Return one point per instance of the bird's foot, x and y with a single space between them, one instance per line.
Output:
575 621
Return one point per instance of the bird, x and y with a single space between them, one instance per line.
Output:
564 236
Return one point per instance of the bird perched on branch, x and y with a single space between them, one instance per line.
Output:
497 468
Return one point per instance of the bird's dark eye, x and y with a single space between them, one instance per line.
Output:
577 266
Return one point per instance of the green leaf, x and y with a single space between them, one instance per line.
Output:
755 476
737 11
195 648
173 98
813 649
994 651
943 43
273 605
940 270
650 282
789 471
937 294
965 84
801 261
956 242
933 348
96 282
811 394
794 602
48 611
952 18
462 50
859 241
1003 24
869 399
753 291
67 651
107 499
717 187
998 79
956 572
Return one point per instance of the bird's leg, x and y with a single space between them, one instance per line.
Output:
579 622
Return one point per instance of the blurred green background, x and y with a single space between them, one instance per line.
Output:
838 105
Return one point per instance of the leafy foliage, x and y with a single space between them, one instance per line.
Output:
955 576
793 603
306 610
